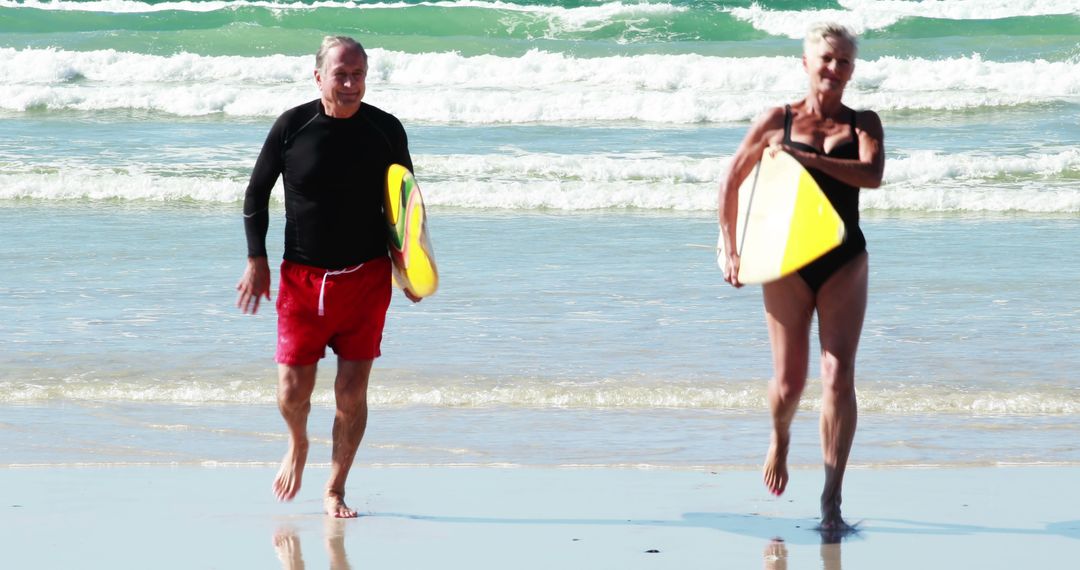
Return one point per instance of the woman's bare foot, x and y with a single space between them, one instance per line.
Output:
831 521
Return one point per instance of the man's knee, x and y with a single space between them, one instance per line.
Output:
295 385
351 400
350 387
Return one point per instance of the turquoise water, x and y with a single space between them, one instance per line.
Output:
570 153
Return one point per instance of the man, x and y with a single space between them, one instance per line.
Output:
333 154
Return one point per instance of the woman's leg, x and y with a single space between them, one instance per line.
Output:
841 306
789 310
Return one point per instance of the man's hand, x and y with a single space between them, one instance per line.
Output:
253 285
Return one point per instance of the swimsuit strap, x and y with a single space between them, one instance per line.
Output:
787 123
787 127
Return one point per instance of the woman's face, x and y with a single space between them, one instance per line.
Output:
829 63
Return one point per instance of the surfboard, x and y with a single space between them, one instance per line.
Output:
413 258
785 221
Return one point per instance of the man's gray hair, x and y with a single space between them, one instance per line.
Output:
821 31
331 42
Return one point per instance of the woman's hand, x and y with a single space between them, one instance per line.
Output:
731 270
800 155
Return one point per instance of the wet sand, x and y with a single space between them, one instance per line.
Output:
489 517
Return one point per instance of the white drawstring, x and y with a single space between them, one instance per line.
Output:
322 288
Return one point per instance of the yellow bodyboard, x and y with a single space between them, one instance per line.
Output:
785 221
410 248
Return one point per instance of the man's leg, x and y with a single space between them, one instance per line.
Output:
841 309
295 385
334 531
350 420
789 309
287 547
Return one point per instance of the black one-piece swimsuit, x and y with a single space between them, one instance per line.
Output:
844 198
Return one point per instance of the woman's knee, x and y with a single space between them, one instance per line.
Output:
788 387
837 377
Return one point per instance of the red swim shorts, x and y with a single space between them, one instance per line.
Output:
343 309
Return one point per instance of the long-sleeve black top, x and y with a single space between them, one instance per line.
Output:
334 173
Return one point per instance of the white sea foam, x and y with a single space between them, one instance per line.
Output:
541 394
921 181
859 14
69 184
577 18
536 87
863 15
53 66
929 167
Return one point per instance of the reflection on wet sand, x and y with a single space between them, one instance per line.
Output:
830 555
334 530
776 553
287 546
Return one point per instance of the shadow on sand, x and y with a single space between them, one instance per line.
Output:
777 532
793 531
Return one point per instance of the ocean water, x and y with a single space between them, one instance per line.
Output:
570 153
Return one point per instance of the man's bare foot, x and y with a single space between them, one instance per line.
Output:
775 474
287 482
776 555
336 507
287 547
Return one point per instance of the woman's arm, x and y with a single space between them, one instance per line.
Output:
863 172
766 130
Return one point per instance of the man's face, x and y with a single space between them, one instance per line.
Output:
342 80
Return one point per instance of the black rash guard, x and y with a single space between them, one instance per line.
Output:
334 173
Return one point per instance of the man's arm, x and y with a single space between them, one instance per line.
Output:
255 282
404 158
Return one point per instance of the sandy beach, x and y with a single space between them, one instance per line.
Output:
483 517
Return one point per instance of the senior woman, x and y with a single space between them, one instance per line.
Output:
843 149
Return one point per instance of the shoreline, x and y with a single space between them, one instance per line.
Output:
103 434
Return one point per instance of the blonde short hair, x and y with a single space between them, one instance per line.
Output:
821 31
331 42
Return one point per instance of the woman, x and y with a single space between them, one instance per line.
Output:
844 150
